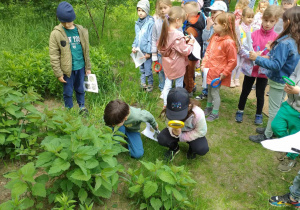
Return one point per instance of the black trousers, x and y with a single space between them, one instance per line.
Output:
261 84
198 146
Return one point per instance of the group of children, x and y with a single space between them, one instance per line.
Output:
230 43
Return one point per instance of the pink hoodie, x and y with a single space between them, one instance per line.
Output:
175 55
260 38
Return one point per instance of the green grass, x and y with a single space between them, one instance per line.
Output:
235 173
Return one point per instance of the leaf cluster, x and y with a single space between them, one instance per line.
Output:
160 186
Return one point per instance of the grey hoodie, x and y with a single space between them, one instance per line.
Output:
294 99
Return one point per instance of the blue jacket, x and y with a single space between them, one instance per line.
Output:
143 34
283 59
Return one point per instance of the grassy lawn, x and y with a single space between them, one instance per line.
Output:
235 174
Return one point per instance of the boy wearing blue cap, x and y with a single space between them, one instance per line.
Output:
69 55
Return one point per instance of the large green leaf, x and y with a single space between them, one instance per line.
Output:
135 188
167 204
103 192
150 166
167 177
98 181
42 179
177 194
149 189
28 171
2 139
79 175
86 152
91 163
155 203
26 203
12 175
39 189
18 189
59 165
82 195
43 158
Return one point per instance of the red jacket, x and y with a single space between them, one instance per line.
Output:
220 57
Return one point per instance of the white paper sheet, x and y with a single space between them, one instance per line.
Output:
150 132
204 83
283 144
197 49
137 57
90 83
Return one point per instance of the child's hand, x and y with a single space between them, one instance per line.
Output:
147 56
191 41
253 55
268 45
88 72
133 50
210 22
176 131
61 79
187 38
291 89
222 76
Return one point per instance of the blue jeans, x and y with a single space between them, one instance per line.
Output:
75 82
295 188
161 74
135 144
146 71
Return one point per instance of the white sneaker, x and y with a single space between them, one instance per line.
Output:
237 82
232 84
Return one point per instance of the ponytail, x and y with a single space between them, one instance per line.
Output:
162 42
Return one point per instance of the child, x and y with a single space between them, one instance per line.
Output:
163 8
284 56
262 6
199 3
217 8
194 26
285 4
244 27
69 55
143 36
174 48
180 108
287 119
239 7
220 58
129 119
260 38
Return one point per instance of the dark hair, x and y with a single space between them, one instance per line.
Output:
115 112
293 16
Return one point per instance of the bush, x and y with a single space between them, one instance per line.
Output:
32 68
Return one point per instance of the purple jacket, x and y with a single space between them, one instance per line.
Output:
260 38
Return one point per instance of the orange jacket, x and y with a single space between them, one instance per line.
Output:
220 57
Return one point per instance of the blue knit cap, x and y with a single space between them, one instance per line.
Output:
65 12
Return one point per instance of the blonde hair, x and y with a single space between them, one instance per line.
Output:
273 11
174 14
261 2
228 20
242 4
191 8
166 2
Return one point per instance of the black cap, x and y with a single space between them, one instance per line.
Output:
177 104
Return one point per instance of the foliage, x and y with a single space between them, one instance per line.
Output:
164 186
22 182
65 202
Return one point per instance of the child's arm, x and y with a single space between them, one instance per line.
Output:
154 40
207 30
231 53
292 89
148 117
182 47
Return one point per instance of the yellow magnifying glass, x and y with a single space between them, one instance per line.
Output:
176 124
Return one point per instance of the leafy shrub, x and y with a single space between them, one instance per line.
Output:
160 186
32 68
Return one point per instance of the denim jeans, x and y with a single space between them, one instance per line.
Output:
161 74
168 87
75 82
295 188
146 72
135 144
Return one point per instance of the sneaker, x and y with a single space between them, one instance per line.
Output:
286 165
258 119
190 154
253 87
258 138
201 96
237 82
260 130
239 116
284 200
84 112
144 86
207 111
170 154
212 117
149 88
232 84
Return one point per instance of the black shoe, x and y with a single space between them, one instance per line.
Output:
170 154
84 112
284 200
190 155
260 130
258 138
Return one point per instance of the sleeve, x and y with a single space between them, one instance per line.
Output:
149 41
148 117
154 40
231 53
182 47
87 60
207 53
255 24
199 130
276 62
134 44
206 34
55 54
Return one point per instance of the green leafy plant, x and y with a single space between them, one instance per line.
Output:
23 183
160 186
65 202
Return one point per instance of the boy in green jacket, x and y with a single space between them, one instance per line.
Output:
129 119
69 55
